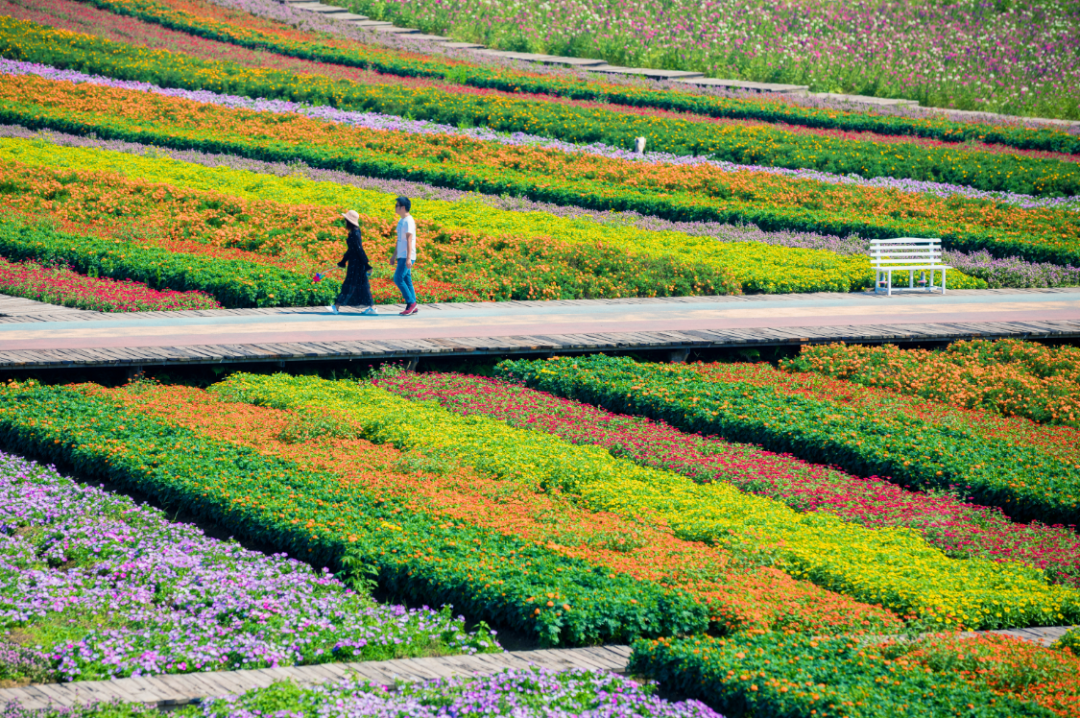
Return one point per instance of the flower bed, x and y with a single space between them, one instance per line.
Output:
746 402
738 594
765 145
1010 377
245 30
374 120
893 567
312 513
937 55
78 17
800 676
302 239
960 529
682 193
71 289
96 587
233 283
1011 272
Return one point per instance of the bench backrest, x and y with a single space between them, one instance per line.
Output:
905 251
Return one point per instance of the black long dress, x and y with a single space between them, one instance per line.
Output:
356 291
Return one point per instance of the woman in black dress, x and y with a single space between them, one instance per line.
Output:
356 291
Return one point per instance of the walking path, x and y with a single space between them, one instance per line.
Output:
185 688
672 324
171 690
19 307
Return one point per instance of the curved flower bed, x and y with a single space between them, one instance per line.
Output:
316 513
95 586
242 29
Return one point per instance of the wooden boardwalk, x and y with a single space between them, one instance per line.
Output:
19 308
92 339
172 690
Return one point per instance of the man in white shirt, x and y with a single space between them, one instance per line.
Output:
406 254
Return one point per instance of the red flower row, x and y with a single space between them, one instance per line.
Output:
63 286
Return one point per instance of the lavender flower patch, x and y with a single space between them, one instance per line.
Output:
94 586
527 693
1012 272
377 121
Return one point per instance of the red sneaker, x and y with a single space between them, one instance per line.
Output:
409 310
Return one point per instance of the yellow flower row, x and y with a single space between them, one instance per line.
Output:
894 567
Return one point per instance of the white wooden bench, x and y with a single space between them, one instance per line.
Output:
907 254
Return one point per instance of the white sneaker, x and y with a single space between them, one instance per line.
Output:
369 312
332 309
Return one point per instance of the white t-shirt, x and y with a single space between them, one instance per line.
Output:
405 227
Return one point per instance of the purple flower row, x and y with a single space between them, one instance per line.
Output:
377 121
93 586
1010 272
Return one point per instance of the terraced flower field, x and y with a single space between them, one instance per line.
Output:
801 540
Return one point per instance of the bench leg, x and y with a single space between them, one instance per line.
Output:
943 273
890 283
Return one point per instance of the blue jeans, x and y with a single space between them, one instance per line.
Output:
403 280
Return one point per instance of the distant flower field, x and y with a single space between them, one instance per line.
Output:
1003 56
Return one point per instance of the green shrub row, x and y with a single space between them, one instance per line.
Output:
278 503
1025 482
796 676
234 283
733 143
394 63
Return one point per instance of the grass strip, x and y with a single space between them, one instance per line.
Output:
750 403
309 514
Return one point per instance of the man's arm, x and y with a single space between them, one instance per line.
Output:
411 239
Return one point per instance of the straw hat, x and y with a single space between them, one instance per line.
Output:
352 216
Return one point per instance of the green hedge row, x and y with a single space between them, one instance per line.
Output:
233 283
766 146
393 63
1026 483
268 500
796 676
591 194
